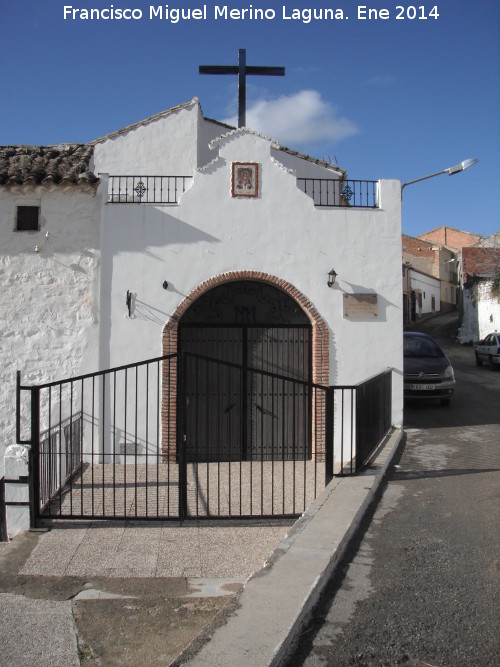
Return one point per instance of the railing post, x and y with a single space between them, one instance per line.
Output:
18 406
361 423
34 457
3 515
181 435
329 432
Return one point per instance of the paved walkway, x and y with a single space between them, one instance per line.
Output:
162 550
164 594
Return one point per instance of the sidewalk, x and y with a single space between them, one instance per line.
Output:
163 595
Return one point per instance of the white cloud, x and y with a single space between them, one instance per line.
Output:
303 117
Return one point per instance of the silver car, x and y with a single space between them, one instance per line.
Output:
488 350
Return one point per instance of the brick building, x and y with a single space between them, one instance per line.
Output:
436 260
453 238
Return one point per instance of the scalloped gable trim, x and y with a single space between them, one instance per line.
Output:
274 144
241 130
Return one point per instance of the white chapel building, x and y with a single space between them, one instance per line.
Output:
182 234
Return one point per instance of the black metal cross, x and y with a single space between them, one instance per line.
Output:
242 71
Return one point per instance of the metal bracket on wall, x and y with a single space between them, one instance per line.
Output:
129 302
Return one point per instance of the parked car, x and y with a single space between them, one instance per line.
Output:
427 370
488 350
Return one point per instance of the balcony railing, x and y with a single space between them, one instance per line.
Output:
331 192
326 192
147 189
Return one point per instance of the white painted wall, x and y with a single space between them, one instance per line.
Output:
428 287
49 304
164 145
280 233
65 308
481 312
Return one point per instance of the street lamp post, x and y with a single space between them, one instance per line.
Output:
450 171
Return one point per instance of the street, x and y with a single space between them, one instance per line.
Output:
421 585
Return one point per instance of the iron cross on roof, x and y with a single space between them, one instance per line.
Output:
242 71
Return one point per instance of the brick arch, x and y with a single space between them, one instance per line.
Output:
320 337
320 344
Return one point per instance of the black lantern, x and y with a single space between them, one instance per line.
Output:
332 275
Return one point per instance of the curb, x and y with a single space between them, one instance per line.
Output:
277 601
337 557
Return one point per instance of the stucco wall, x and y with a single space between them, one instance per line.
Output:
50 311
429 287
64 307
163 146
481 312
280 233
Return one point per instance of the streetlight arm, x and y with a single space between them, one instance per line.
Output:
450 171
424 178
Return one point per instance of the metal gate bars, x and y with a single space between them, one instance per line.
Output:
136 442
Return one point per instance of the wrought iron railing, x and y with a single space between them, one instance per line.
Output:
362 416
324 192
138 443
329 192
146 189
3 518
59 456
373 415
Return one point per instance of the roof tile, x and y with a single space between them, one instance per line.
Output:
46 164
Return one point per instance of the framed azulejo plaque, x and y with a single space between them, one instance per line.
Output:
245 179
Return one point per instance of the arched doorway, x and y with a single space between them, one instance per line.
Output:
246 391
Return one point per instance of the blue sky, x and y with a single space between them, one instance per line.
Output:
385 98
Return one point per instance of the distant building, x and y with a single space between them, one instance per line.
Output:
437 261
480 311
448 236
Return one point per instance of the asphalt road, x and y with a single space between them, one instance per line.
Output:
421 585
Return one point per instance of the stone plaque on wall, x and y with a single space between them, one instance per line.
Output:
360 305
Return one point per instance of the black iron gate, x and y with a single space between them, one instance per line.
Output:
100 442
256 403
247 393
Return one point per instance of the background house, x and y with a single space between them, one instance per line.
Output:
448 236
480 313
433 260
421 296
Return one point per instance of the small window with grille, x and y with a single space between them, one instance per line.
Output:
27 218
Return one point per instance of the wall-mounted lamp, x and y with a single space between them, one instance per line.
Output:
37 248
129 302
332 275
165 284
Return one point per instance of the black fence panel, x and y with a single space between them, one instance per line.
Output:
98 446
373 415
3 518
189 436
147 189
330 192
249 442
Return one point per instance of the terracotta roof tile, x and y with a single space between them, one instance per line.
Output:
68 163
